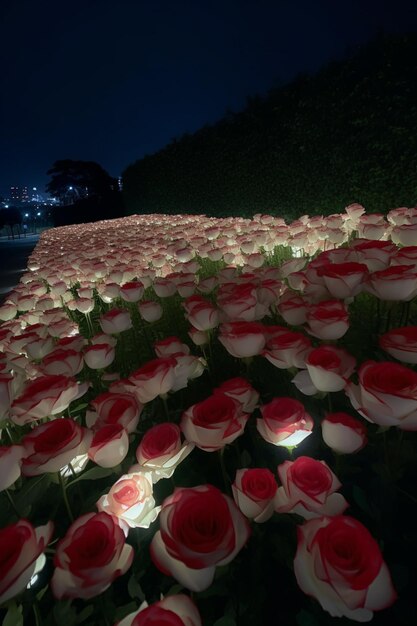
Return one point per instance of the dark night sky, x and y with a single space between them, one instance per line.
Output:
111 81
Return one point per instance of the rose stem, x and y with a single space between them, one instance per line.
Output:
64 495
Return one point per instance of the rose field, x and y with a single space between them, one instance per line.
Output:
212 421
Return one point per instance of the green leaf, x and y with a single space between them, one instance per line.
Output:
64 613
134 589
85 613
361 500
93 474
14 615
225 621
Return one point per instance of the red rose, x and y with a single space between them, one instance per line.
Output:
340 564
170 346
99 355
386 394
109 446
308 489
242 339
241 390
284 422
63 361
343 280
328 370
45 396
114 408
153 379
254 491
115 321
292 308
397 283
51 446
21 556
201 313
328 320
286 349
343 433
90 556
401 343
176 610
214 422
200 528
132 292
161 451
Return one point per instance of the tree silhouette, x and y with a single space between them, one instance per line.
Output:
73 180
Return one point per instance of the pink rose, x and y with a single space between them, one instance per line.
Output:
109 446
328 370
63 361
308 489
51 446
150 311
114 408
161 451
214 422
386 394
45 396
254 491
328 320
200 528
343 280
286 349
201 313
241 390
115 321
92 554
170 346
343 433
284 422
401 343
10 465
242 339
292 308
340 564
153 379
175 610
131 501
132 292
397 283
99 356
21 550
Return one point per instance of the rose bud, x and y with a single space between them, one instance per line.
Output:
241 390
63 361
10 464
22 548
242 339
214 422
150 311
198 337
328 370
99 356
386 394
286 349
114 408
51 446
153 379
169 346
328 320
161 451
132 292
284 422
200 528
45 396
254 491
340 564
109 446
396 283
343 433
201 313
401 343
131 502
115 321
344 280
90 557
175 610
308 489
292 308
84 305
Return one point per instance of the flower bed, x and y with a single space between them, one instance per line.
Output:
210 421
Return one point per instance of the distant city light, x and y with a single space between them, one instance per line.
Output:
6 206
38 213
26 214
70 188
34 188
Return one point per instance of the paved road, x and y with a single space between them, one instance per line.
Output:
13 261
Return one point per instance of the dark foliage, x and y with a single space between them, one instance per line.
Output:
347 134
91 209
